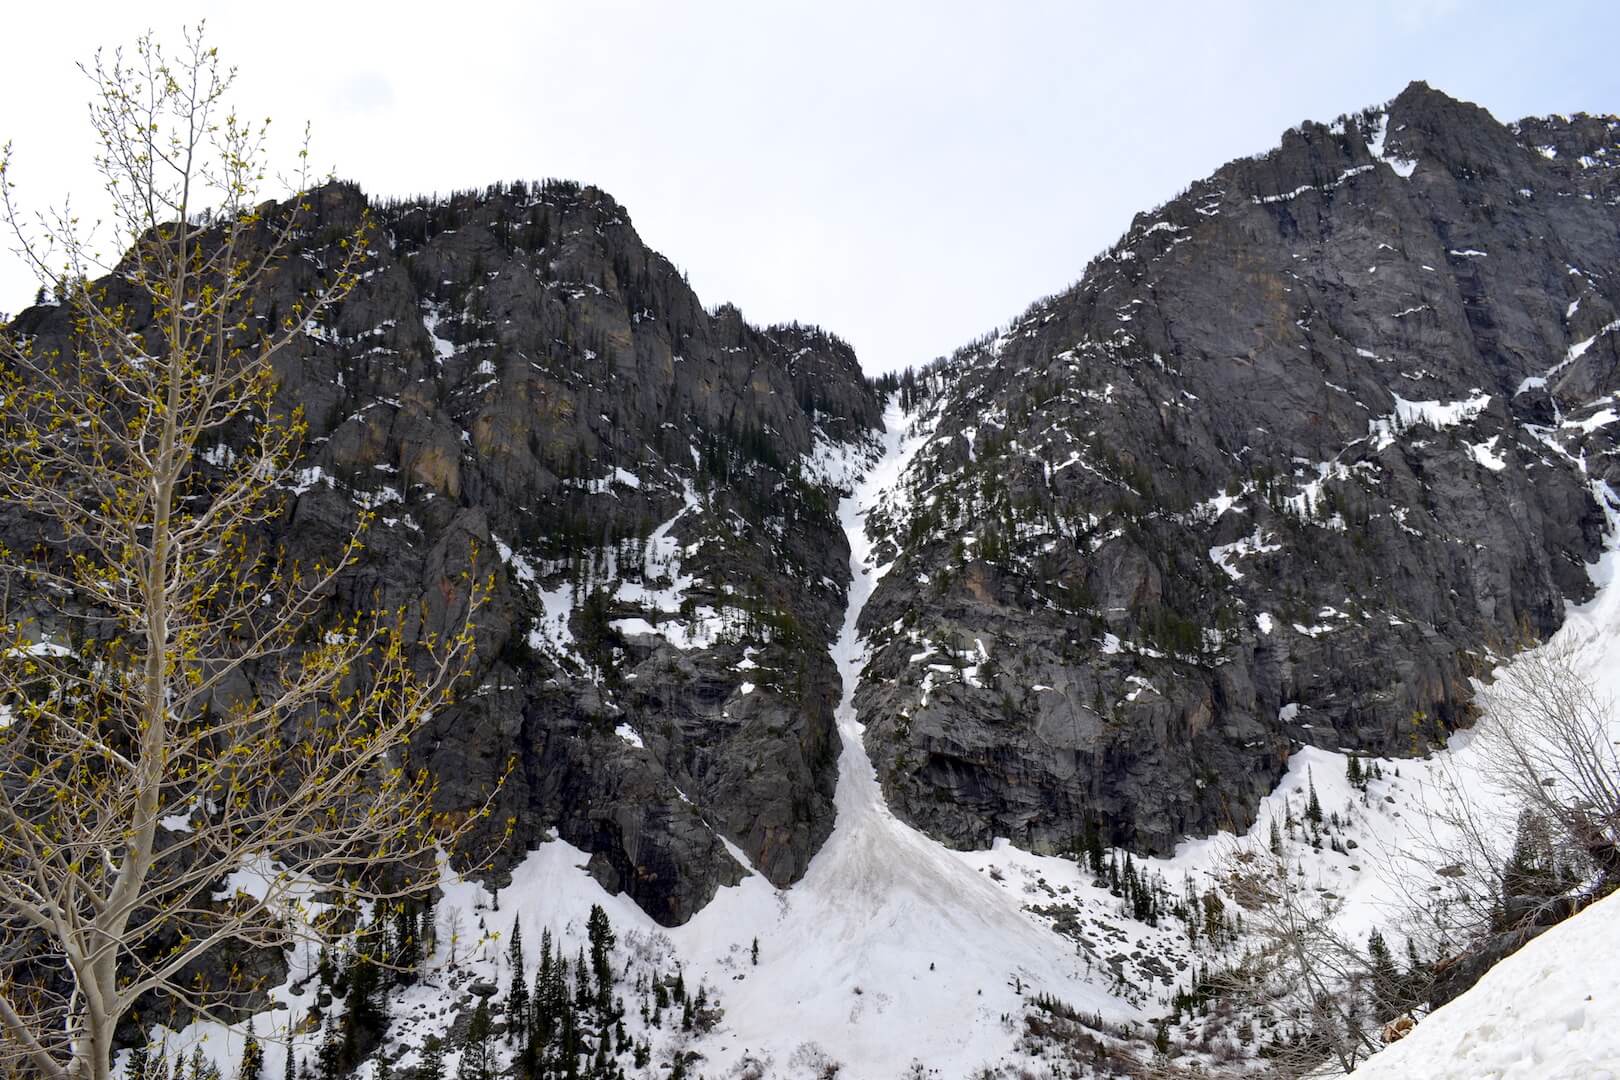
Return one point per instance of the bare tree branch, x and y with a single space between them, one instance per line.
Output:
205 716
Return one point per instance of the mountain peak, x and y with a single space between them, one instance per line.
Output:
1432 122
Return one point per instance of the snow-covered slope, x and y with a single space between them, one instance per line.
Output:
1547 1012
895 953
892 948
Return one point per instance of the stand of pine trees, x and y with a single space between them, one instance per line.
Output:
567 1023
1145 896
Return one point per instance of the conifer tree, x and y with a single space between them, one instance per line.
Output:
1530 869
478 1056
600 932
1313 807
364 1005
544 1005
517 998
408 944
431 1067
560 988
1416 976
252 1063
568 1043
582 984
427 926
1386 978
330 1057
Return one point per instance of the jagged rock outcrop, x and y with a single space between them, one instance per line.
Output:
1294 460
518 386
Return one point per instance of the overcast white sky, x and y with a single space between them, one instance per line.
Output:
906 174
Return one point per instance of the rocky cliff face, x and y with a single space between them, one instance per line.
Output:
519 382
1307 449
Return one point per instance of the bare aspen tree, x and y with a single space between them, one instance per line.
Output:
1527 836
191 746
1318 985
1446 868
1555 750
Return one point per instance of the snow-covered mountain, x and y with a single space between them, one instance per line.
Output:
1311 447
911 727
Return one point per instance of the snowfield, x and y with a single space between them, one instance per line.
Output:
1545 1013
892 947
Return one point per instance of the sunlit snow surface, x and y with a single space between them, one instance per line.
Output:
892 947
1545 1013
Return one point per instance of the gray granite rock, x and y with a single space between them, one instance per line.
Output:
519 387
1192 513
